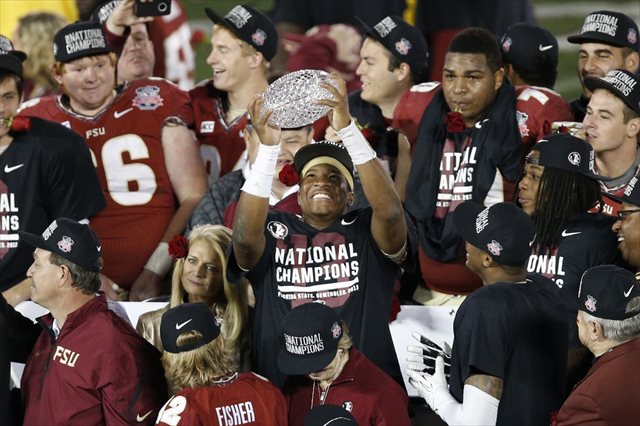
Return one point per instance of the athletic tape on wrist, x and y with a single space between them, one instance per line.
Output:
357 146
260 177
160 262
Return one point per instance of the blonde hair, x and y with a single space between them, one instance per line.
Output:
35 33
232 296
198 367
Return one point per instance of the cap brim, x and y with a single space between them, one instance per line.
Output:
10 62
298 365
32 240
365 29
593 38
215 18
593 83
19 54
464 220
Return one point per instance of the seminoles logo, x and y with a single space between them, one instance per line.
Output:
632 36
403 46
574 158
336 330
259 37
348 405
590 303
495 248
278 229
65 244
147 98
522 123
506 43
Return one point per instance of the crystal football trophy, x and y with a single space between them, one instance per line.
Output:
292 96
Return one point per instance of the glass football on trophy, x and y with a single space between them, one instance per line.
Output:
292 96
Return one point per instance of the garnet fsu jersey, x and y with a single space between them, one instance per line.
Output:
126 146
171 37
242 399
412 104
221 142
536 109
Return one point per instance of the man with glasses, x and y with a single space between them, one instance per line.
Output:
611 126
628 225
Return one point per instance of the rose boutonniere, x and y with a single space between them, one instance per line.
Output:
18 124
454 122
178 247
197 37
288 175
366 131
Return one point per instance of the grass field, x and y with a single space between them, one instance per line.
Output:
562 18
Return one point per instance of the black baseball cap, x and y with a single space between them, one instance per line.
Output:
329 415
102 12
605 291
69 239
78 40
612 28
311 333
10 60
566 152
251 26
632 191
403 40
504 230
186 317
621 83
325 152
529 47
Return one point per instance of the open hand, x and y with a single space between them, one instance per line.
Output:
267 134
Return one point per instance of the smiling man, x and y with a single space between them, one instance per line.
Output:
468 148
628 225
607 40
242 44
611 126
146 158
346 261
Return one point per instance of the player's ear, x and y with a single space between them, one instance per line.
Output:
498 78
633 127
256 59
487 261
56 72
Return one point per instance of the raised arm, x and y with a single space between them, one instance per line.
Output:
388 224
189 181
253 205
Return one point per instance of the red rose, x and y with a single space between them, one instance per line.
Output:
368 134
197 37
178 247
20 124
563 129
454 122
288 175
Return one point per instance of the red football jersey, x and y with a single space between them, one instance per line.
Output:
412 104
126 146
221 142
244 399
536 109
171 37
